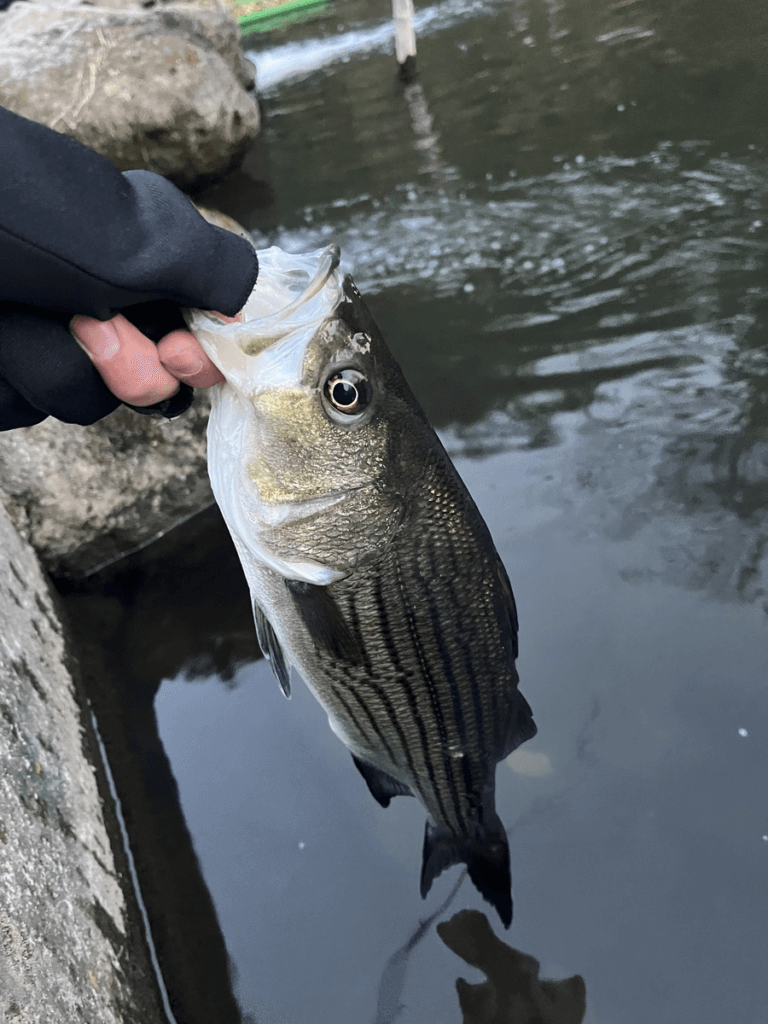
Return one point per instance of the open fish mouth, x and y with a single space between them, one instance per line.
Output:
330 257
292 295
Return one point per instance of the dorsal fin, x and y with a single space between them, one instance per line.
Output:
521 724
271 649
509 608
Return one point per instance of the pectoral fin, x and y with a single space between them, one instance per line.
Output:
382 786
271 649
324 621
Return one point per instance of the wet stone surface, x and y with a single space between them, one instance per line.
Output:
69 949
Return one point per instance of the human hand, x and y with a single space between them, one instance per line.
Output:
138 371
128 250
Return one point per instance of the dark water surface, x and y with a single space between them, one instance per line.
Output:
562 230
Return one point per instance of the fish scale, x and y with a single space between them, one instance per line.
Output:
456 705
371 570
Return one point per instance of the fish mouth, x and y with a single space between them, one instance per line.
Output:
328 261
292 295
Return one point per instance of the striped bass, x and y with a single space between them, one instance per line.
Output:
370 568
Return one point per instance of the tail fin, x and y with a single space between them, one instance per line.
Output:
486 857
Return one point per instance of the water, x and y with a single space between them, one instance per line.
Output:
561 227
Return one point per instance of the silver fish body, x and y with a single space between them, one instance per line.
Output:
373 573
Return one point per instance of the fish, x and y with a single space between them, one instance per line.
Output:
371 571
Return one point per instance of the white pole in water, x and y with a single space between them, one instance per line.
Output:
405 38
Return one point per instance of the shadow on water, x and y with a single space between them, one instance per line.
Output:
513 993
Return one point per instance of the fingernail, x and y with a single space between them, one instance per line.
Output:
182 369
239 318
98 338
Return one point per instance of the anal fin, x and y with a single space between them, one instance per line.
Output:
271 649
382 786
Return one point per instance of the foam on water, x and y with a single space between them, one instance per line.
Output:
596 312
570 241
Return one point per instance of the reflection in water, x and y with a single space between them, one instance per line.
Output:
179 605
513 993
390 1005
427 139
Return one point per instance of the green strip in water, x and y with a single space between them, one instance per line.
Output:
273 17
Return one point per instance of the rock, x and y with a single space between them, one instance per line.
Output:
84 496
161 88
71 946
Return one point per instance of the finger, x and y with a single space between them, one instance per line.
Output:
127 360
182 355
47 371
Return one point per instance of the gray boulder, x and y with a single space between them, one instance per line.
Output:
163 88
71 942
83 496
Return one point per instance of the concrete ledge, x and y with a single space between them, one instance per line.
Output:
71 949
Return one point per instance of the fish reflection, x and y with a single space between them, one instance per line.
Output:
389 1006
513 993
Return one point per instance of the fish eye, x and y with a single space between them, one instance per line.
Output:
348 392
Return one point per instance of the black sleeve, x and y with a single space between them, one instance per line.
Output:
77 236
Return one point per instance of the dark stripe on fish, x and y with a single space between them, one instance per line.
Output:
352 685
357 632
445 658
333 639
486 729
474 798
351 715
402 679
351 688
434 698
483 727
492 731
